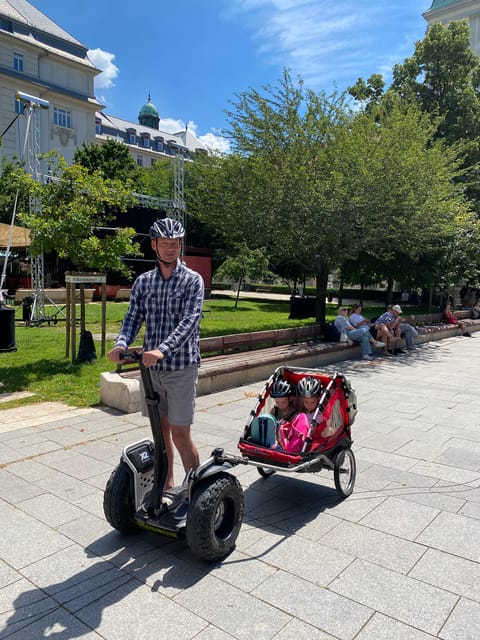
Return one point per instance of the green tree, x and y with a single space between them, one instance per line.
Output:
13 189
71 217
443 78
281 187
111 158
156 180
245 263
401 187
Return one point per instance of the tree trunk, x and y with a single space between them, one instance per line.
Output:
240 283
340 293
389 291
321 278
362 289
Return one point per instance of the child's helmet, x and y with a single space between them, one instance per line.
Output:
167 228
309 387
281 389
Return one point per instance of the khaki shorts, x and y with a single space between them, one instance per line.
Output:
176 391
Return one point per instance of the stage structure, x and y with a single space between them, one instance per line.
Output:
31 157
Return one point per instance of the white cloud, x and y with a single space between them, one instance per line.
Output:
329 42
104 60
211 140
215 142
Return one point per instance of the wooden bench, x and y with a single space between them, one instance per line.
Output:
237 359
238 342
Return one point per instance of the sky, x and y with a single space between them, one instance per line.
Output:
193 57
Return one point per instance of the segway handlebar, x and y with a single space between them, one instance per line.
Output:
135 355
131 356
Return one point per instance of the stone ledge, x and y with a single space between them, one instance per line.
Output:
217 373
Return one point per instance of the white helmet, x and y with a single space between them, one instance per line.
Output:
166 228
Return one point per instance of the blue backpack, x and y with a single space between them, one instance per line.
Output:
263 430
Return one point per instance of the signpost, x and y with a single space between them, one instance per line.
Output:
72 279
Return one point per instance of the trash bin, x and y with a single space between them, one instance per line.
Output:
7 328
302 307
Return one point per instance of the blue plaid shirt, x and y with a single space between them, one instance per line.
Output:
171 310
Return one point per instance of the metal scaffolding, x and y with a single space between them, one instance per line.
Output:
31 157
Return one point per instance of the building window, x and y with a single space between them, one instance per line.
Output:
98 127
19 106
18 61
62 118
132 138
139 161
159 145
146 142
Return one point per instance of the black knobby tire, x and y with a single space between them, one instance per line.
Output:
118 500
345 472
265 473
215 517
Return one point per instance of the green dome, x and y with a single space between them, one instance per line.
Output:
439 4
148 109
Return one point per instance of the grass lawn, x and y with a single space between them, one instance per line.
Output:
40 366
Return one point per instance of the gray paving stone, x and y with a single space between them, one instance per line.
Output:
64 486
454 534
233 611
284 553
82 467
407 600
126 614
24 540
379 627
460 457
385 459
331 613
464 623
381 548
449 572
7 574
301 631
212 633
377 477
470 509
400 518
56 623
432 497
14 489
50 510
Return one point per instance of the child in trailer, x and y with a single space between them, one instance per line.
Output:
292 434
284 395
309 390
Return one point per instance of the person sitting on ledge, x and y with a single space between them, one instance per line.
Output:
450 318
361 335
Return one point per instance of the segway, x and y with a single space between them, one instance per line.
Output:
206 510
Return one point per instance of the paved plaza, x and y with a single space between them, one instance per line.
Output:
398 560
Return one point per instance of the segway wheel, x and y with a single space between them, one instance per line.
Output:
215 517
265 473
345 472
118 501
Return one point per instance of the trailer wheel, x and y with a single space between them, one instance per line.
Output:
215 517
118 500
265 473
345 472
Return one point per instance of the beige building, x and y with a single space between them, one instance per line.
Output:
445 11
40 59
